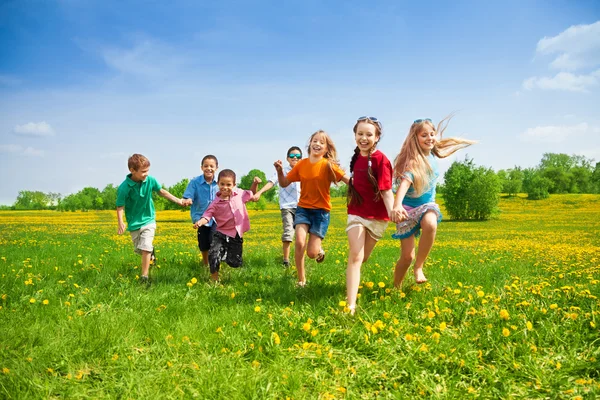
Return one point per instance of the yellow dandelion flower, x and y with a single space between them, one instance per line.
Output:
342 303
45 302
257 309
381 285
276 338
5 371
194 281
232 295
529 326
504 314
505 332
558 365
592 324
314 332
32 300
435 336
442 326
306 326
408 337
430 314
480 293
553 306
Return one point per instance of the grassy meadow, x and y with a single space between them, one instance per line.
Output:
511 310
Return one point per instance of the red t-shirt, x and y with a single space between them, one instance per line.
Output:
382 171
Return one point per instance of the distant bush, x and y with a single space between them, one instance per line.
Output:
471 192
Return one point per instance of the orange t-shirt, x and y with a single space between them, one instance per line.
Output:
315 180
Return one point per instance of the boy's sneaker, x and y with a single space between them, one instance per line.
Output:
286 264
320 256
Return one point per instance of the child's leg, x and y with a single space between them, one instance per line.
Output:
146 263
234 251
287 220
356 245
286 250
205 234
301 232
428 228
314 246
407 255
215 255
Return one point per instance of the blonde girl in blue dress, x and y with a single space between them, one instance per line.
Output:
416 172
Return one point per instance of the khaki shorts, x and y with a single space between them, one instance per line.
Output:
143 237
375 227
287 219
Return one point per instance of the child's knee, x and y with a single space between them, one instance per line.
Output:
407 257
312 253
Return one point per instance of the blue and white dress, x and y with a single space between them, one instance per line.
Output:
417 206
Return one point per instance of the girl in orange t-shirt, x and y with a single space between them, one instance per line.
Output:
315 174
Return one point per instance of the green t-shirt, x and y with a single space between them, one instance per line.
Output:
136 197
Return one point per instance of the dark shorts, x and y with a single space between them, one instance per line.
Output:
225 248
205 235
317 220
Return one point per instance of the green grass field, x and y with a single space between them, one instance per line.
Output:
511 310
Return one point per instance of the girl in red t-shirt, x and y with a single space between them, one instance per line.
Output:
370 201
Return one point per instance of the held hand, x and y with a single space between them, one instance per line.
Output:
196 224
186 202
278 165
256 197
121 228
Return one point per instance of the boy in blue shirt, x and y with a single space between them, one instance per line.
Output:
200 192
134 199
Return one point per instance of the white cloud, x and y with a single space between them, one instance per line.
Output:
577 47
564 81
555 134
20 150
147 58
34 129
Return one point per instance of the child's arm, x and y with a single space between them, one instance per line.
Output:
398 212
120 212
345 179
202 221
268 186
283 181
255 183
170 197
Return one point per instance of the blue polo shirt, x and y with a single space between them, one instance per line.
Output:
202 194
429 195
136 197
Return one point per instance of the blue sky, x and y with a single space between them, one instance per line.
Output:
84 84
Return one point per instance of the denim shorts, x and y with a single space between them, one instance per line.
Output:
317 220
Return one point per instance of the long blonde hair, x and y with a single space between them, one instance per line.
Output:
330 154
411 157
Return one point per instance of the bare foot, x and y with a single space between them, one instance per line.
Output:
352 309
420 276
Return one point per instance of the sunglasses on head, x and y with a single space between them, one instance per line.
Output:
372 119
298 156
418 121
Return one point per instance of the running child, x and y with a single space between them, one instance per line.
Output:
229 211
415 167
370 200
315 174
200 192
134 198
288 201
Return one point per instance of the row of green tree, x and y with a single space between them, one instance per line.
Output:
469 191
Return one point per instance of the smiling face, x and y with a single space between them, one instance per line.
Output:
139 175
426 138
226 185
293 160
318 145
209 167
366 137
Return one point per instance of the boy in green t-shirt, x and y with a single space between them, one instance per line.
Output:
134 196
